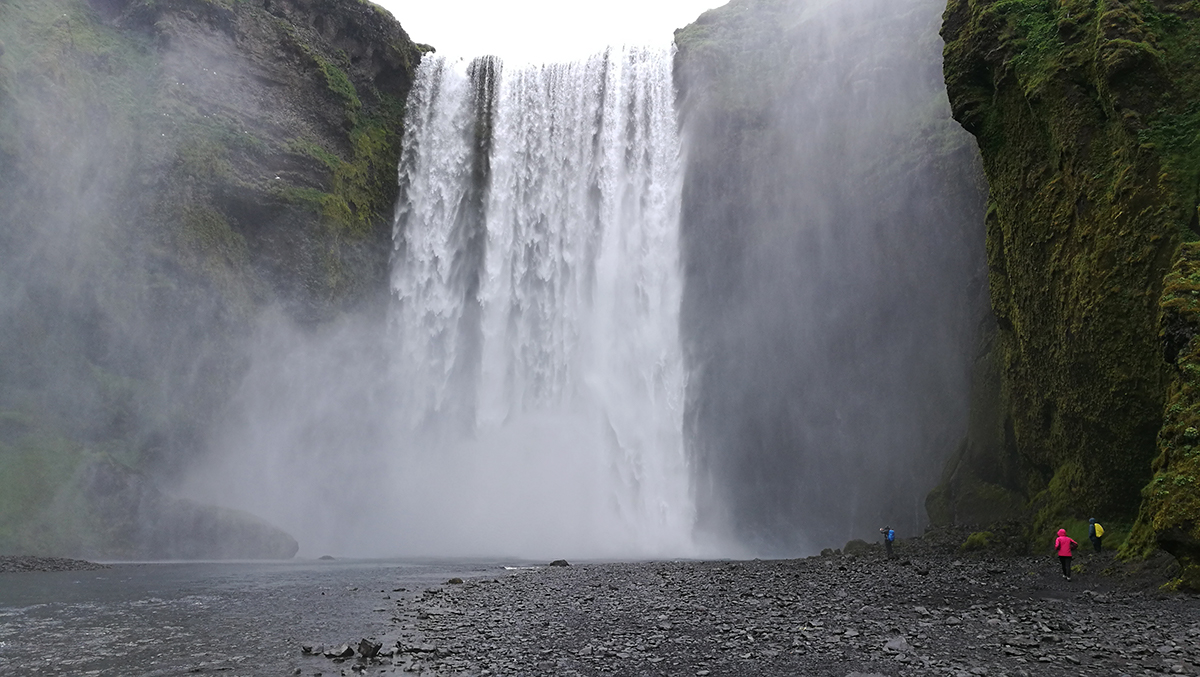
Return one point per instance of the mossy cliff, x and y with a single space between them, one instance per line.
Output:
1170 513
833 264
1086 116
168 170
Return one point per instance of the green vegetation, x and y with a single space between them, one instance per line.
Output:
1170 514
1086 117
980 540
1177 137
1031 27
144 196
338 83
363 188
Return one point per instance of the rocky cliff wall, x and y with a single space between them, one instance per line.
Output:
1085 113
169 169
833 262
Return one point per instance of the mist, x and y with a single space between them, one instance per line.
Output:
834 270
526 394
714 302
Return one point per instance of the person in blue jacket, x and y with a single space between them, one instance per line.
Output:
889 535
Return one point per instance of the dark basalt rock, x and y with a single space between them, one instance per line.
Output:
820 617
368 649
173 171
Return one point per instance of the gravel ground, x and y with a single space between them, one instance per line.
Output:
10 564
930 611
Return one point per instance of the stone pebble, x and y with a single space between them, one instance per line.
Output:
22 563
924 613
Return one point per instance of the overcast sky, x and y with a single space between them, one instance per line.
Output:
539 31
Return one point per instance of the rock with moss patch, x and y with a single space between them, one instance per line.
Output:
192 163
1086 121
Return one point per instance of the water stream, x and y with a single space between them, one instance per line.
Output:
525 397
537 289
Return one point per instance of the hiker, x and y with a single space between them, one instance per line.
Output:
889 535
1064 545
1095 533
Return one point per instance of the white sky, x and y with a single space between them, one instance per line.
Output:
541 31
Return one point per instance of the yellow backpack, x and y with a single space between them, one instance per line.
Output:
1099 530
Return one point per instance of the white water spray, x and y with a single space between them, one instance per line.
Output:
536 307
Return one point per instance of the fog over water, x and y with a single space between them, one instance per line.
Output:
603 342
835 276
526 396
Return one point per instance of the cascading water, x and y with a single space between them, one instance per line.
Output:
536 299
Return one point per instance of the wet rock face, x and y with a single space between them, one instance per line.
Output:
1077 111
170 170
1170 515
832 252
306 97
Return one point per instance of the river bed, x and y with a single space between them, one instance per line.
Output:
229 618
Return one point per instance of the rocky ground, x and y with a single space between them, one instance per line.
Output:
10 564
930 611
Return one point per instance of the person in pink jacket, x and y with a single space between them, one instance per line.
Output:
1064 545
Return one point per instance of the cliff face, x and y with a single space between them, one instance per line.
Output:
833 262
169 169
1086 117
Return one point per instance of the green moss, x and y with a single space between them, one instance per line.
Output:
206 230
1177 137
337 81
203 159
61 56
363 187
1056 504
1188 579
1170 513
1030 28
980 540
312 149
308 197
1085 116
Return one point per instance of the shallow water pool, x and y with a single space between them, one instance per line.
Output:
228 618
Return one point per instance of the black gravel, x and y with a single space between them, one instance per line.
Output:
928 612
12 564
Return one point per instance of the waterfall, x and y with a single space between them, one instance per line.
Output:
536 295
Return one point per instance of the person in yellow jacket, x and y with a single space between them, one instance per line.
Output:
1095 533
